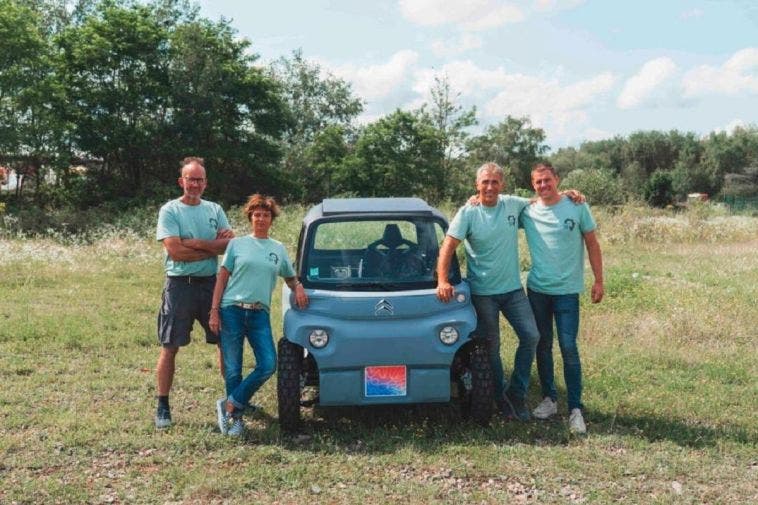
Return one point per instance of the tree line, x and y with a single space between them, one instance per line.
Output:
108 95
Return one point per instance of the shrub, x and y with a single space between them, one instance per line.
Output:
659 189
599 186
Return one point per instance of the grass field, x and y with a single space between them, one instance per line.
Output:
671 389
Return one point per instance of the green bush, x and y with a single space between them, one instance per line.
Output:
599 186
659 189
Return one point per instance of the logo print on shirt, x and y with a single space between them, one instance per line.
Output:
213 222
569 224
512 220
273 258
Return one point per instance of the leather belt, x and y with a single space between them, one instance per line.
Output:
192 279
250 306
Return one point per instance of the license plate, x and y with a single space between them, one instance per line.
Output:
385 381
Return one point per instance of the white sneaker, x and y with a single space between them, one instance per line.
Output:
223 425
547 408
576 422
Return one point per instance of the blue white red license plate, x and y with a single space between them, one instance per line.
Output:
385 381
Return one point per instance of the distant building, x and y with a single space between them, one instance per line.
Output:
9 180
697 197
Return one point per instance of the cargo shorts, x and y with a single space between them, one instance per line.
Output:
184 300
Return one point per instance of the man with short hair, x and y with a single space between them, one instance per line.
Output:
194 232
556 231
490 231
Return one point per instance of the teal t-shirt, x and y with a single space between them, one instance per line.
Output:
555 234
203 221
254 264
490 236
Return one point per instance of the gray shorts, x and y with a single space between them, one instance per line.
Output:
184 300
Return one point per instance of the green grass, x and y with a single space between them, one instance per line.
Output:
670 387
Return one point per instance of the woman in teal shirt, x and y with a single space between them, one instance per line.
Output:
241 306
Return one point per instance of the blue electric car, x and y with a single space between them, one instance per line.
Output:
374 331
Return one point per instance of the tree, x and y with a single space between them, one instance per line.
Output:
314 100
224 107
325 157
604 154
149 84
398 155
653 150
452 122
115 68
513 144
31 131
659 190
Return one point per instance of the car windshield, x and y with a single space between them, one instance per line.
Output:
374 254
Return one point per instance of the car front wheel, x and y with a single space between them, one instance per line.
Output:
482 384
288 384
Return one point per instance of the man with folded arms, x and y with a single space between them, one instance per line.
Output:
194 232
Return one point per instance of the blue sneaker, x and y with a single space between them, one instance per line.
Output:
236 427
162 418
221 418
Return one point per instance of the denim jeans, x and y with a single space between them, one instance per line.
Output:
514 305
564 309
236 324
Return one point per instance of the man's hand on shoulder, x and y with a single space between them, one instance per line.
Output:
473 200
575 196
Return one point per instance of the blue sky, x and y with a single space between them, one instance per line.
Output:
579 69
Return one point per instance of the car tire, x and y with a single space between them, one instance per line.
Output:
482 384
288 385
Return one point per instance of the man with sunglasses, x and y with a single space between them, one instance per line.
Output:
193 232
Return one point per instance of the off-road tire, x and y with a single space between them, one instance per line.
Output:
480 401
288 388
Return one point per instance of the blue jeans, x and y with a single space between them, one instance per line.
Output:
564 309
515 307
236 324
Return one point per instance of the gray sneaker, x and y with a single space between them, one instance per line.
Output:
162 418
576 422
223 424
546 409
236 427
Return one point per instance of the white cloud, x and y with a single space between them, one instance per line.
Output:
739 74
373 82
592 133
692 13
639 88
554 5
464 76
476 15
731 126
469 14
465 42
548 102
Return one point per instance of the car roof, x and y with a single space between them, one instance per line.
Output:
365 207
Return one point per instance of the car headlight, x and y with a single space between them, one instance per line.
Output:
318 338
448 335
